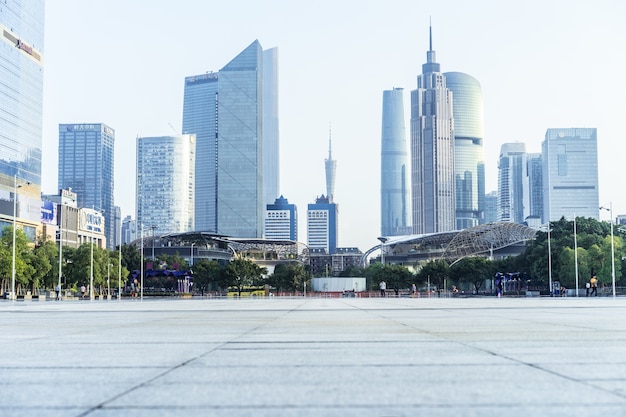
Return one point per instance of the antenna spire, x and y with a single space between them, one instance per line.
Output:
430 29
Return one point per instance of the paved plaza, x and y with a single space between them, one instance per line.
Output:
314 357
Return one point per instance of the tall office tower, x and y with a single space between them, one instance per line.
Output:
225 111
129 230
330 166
165 183
510 182
394 161
271 132
432 151
570 174
21 102
322 225
469 158
86 166
491 207
533 188
281 220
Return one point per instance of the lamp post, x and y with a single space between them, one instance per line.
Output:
549 261
382 249
191 259
575 256
60 249
119 268
141 278
91 294
610 209
153 227
15 187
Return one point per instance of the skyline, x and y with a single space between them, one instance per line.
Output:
537 71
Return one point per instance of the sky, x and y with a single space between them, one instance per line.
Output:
541 64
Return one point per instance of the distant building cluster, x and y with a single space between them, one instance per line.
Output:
220 174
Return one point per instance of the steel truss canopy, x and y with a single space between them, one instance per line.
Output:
456 245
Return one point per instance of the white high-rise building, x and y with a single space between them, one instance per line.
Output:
510 182
165 183
570 174
432 151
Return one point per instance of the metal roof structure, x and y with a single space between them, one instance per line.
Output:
455 245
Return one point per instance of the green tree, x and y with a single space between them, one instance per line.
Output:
434 271
473 270
243 273
208 275
288 277
23 270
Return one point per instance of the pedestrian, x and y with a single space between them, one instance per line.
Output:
82 291
594 285
383 288
414 290
58 290
587 287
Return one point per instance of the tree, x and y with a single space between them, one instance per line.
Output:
288 277
208 274
434 271
473 270
243 273
23 270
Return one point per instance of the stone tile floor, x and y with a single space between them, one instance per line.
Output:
314 357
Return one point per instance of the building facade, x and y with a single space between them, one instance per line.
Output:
271 129
225 111
322 219
570 174
165 183
432 151
469 157
86 167
21 104
533 187
394 161
281 220
129 230
510 182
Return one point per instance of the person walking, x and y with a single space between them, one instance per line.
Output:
594 285
588 288
383 288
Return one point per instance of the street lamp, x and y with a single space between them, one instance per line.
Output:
119 270
549 261
91 294
610 210
191 259
382 249
15 187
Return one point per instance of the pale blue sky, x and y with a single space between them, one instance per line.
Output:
541 64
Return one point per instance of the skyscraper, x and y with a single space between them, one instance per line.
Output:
165 183
510 182
225 111
21 102
271 131
281 220
570 174
432 151
394 190
330 166
322 225
469 158
533 187
86 166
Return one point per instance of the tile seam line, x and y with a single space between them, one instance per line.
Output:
103 404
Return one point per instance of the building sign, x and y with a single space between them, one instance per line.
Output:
48 212
91 221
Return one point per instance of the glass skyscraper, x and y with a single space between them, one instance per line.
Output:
432 151
225 111
570 174
394 179
511 182
21 103
469 158
165 183
86 165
